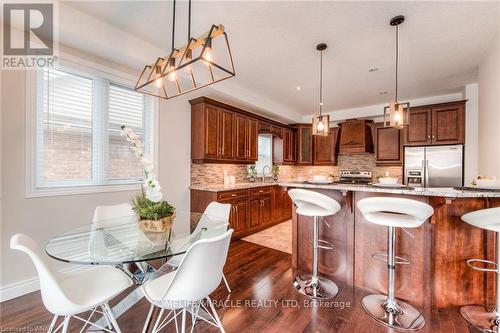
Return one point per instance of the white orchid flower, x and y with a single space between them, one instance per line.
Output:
151 185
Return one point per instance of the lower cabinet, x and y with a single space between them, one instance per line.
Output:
238 216
252 209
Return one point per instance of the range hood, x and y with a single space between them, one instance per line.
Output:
355 137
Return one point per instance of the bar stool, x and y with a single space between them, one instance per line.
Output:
393 213
316 205
477 315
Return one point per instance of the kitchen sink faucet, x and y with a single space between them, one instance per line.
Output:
264 172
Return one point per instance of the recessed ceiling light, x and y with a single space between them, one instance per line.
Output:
298 88
383 93
373 69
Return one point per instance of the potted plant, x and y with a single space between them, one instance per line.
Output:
276 171
155 214
252 172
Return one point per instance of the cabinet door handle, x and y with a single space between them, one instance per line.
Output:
236 208
261 191
233 195
428 137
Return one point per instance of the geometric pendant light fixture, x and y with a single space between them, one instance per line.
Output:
396 114
203 61
321 122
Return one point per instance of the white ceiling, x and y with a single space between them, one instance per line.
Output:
273 45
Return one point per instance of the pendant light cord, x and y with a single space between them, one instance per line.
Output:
320 82
173 27
397 60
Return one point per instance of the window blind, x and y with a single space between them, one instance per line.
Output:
65 128
126 107
79 119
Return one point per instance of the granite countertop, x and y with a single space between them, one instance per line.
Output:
432 192
237 186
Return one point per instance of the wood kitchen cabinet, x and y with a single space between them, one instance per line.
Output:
252 209
437 124
388 145
239 215
289 151
304 144
246 137
221 133
326 148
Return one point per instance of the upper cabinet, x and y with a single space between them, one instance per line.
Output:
289 151
437 124
221 133
325 148
304 144
388 144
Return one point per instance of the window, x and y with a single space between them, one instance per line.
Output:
78 123
265 143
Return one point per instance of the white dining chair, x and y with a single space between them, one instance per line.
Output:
213 214
107 213
189 286
69 294
109 216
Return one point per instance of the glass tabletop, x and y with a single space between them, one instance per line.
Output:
120 240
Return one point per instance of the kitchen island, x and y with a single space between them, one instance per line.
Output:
438 275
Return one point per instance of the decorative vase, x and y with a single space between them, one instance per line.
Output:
161 225
252 179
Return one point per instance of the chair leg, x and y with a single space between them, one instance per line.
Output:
227 284
216 316
112 318
176 324
52 324
148 318
158 320
194 316
183 324
66 324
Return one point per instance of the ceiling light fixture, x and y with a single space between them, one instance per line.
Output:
321 123
299 88
191 67
396 113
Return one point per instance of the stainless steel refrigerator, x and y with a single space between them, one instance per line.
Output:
434 166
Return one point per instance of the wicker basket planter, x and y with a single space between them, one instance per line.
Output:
162 225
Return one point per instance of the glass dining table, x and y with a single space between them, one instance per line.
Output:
120 242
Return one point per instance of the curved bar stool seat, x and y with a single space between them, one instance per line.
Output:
310 203
394 213
314 204
477 315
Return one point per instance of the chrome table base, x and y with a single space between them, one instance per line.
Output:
479 317
322 289
403 317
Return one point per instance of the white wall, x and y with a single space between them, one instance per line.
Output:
489 111
471 94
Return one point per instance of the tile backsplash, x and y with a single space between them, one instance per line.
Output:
211 174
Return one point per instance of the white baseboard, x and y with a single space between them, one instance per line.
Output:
21 288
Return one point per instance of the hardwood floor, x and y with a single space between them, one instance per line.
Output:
263 300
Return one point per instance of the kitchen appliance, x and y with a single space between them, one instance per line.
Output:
354 177
434 166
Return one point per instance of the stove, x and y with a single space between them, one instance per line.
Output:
354 177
